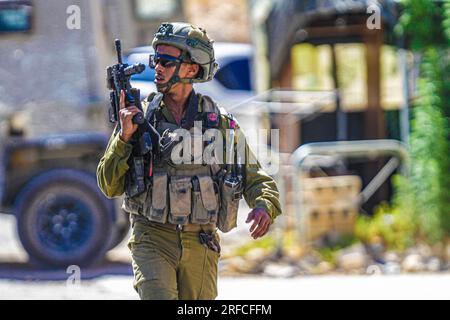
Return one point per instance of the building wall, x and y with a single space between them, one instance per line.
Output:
223 20
47 73
47 64
53 78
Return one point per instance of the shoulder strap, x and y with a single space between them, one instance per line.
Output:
208 104
223 111
146 102
154 99
151 96
191 111
211 112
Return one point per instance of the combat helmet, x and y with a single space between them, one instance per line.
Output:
195 45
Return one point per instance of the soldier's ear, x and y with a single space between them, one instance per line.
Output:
193 70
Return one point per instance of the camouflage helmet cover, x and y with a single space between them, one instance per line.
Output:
192 40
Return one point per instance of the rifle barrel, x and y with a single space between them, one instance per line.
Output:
119 50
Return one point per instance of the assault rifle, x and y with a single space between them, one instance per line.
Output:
146 139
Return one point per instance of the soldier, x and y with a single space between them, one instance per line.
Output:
174 243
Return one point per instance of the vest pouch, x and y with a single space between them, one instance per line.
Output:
180 199
205 200
158 211
229 206
134 205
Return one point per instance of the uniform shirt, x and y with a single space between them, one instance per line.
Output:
260 190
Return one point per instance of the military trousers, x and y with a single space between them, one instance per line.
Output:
171 264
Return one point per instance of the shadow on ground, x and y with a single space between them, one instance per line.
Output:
21 271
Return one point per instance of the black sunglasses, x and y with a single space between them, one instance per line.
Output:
164 60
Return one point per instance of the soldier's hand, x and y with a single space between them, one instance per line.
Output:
261 222
126 114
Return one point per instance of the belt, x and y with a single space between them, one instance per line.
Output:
190 227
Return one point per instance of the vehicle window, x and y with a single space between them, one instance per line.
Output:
15 16
235 75
148 74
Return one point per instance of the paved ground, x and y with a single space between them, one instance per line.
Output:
324 287
113 279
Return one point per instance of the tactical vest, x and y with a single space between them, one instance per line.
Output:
187 193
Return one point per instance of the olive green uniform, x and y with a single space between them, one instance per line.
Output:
169 262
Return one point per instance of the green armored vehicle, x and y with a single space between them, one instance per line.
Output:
54 127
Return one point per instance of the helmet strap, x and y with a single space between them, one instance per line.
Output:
175 77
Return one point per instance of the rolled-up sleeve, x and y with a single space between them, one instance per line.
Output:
260 190
113 166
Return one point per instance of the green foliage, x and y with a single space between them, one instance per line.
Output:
420 23
393 226
330 253
446 70
446 21
430 151
267 243
425 197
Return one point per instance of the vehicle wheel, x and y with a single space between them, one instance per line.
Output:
63 219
